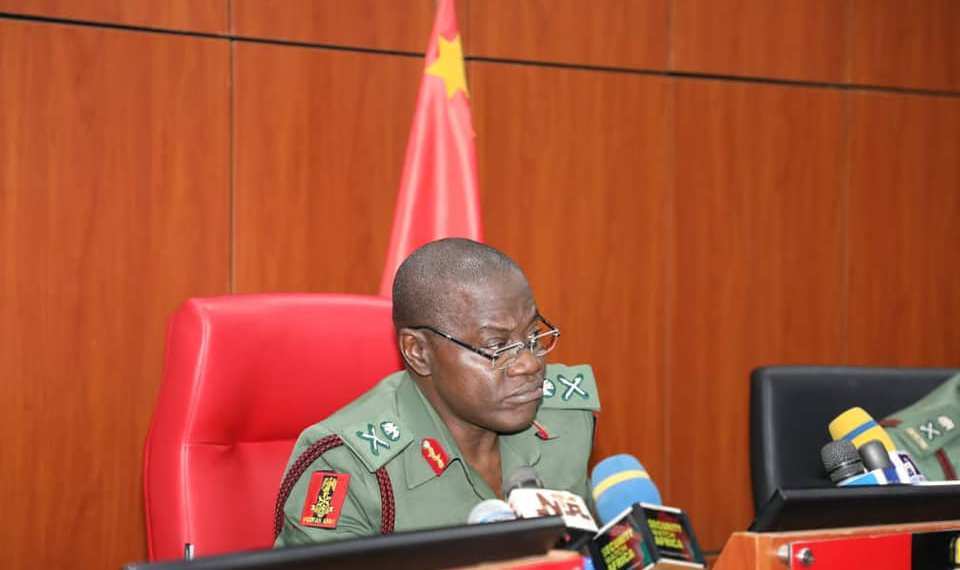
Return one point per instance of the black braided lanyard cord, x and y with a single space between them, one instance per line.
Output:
307 458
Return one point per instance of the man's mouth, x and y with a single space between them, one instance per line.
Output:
526 395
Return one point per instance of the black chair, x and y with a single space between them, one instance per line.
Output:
791 406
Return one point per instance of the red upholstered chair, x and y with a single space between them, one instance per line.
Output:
243 376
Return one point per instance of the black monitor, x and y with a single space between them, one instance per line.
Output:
420 550
809 509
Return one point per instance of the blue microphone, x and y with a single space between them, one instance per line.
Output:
618 483
638 531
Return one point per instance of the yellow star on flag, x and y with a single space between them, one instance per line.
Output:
449 66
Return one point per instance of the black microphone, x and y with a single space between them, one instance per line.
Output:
875 456
841 460
522 478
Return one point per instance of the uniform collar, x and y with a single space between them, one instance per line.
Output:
520 449
423 422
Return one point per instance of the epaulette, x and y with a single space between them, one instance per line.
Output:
570 387
377 439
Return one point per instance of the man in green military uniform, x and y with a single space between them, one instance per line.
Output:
930 430
474 402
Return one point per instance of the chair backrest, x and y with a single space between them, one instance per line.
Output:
791 406
243 376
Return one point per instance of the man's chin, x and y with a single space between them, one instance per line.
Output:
520 419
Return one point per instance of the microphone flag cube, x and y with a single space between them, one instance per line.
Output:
643 535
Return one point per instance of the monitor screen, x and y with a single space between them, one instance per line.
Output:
423 549
809 509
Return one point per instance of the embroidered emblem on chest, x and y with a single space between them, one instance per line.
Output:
571 387
375 442
434 454
324 500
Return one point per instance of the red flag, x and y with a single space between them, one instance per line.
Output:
438 190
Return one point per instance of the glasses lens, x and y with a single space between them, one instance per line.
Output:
545 339
542 341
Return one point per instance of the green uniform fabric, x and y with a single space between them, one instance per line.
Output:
385 427
931 428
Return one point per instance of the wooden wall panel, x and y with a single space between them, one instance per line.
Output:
319 143
193 15
757 269
627 33
391 25
904 231
574 171
114 180
906 44
788 39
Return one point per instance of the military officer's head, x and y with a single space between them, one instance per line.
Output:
471 335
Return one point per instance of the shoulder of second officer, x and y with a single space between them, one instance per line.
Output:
930 424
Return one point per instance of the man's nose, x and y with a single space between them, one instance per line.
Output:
526 363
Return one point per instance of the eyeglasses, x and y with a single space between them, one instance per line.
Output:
540 342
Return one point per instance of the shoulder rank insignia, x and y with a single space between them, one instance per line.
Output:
434 454
376 440
370 436
324 500
570 387
936 427
390 430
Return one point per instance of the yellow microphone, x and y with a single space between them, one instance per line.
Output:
858 427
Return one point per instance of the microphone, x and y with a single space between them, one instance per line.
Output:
843 463
523 478
858 427
489 511
528 499
621 480
841 460
638 531
875 455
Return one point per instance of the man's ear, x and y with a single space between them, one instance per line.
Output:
415 351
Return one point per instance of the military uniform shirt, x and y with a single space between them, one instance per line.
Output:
390 448
930 431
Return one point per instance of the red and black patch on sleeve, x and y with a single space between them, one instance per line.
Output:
324 500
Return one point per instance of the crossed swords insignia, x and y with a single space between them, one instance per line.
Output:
572 387
375 442
930 431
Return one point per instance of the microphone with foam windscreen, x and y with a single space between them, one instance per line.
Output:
621 480
858 427
528 499
846 466
841 460
491 510
638 531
